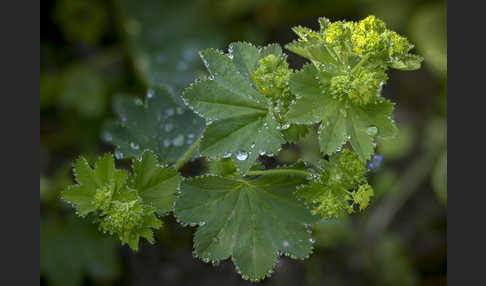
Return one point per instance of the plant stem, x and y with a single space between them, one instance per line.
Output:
363 60
280 172
188 154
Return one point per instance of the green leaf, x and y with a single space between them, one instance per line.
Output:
89 180
341 121
408 62
308 92
295 132
224 167
243 126
124 207
156 185
69 251
250 221
164 48
159 125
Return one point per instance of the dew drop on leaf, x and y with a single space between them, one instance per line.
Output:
150 93
178 141
168 127
372 130
134 146
118 155
241 155
285 126
106 136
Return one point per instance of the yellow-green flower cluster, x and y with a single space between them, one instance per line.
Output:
329 206
398 46
363 196
343 44
122 212
272 79
272 76
102 198
127 219
341 188
368 37
359 88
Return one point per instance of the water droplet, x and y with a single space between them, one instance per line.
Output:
134 146
150 93
170 111
118 155
285 126
311 240
179 140
106 136
241 155
372 130
285 243
215 262
166 143
227 154
168 127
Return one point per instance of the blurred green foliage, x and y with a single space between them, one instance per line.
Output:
92 50
70 249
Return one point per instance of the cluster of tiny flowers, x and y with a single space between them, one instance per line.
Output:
361 51
125 217
368 37
272 79
340 188
361 88
272 75
362 196
102 198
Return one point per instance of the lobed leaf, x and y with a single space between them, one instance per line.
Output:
341 121
156 185
159 125
250 221
243 126
124 207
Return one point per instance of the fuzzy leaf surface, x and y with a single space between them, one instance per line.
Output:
164 48
159 125
340 121
156 185
249 221
243 125
121 205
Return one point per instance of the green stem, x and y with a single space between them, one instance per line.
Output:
363 60
188 154
280 172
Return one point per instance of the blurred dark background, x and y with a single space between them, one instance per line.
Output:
92 50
